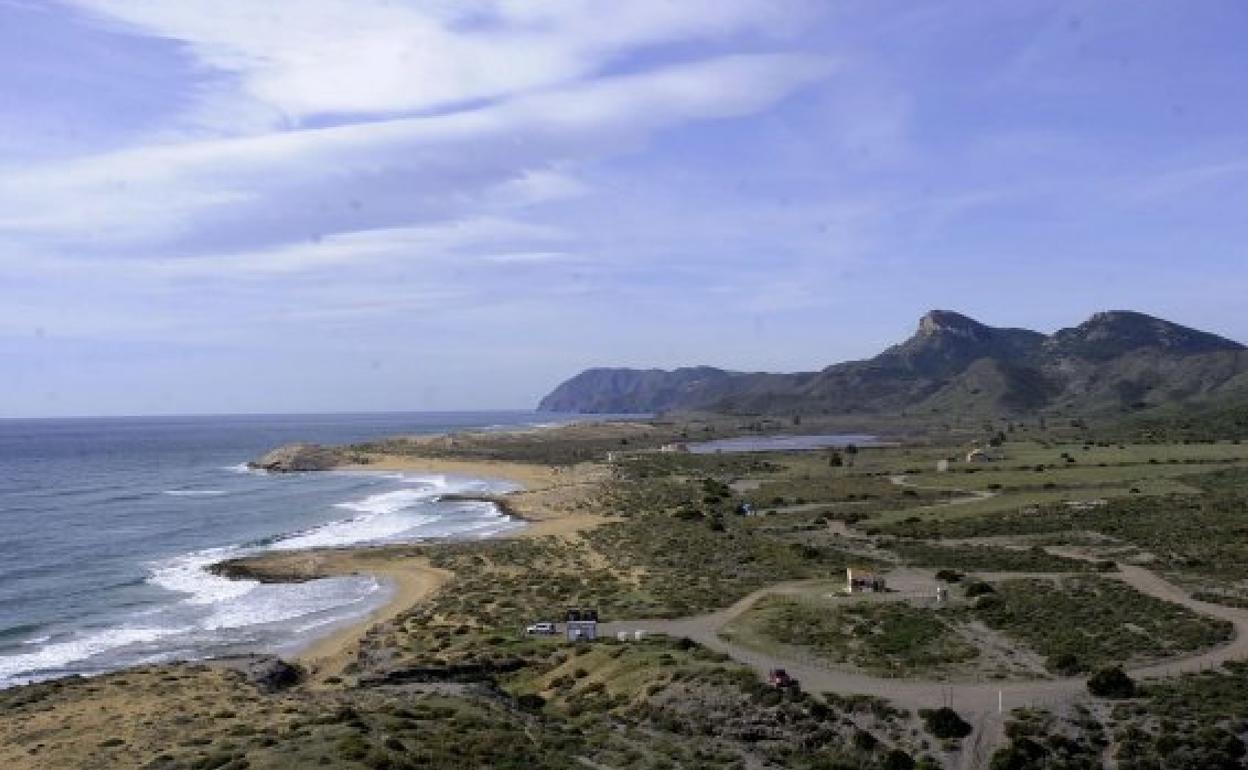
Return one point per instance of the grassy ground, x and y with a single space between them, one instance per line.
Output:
986 558
1082 623
1195 721
1202 535
195 718
888 639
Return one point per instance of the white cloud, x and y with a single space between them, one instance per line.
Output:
312 57
439 164
416 245
529 258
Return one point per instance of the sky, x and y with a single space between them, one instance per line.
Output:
219 206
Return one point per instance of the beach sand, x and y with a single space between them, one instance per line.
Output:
412 579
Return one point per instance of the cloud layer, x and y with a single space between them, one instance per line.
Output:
211 206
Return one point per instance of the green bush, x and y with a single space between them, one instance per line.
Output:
978 588
945 723
1111 682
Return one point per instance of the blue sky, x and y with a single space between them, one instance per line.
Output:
375 205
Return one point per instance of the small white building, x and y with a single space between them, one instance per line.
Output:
678 447
942 466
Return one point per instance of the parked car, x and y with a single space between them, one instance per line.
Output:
542 629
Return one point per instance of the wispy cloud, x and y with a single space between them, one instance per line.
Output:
421 247
350 57
549 183
160 191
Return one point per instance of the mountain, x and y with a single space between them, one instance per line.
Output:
621 391
952 363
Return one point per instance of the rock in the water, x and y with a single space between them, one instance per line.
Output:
298 457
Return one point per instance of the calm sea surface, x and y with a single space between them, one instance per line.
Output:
106 526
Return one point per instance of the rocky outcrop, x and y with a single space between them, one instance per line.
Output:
302 457
268 673
269 568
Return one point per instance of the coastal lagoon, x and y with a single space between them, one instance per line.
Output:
784 443
107 526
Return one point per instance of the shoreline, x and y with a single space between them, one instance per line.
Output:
410 575
328 655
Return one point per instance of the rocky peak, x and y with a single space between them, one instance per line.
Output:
946 342
1115 332
948 322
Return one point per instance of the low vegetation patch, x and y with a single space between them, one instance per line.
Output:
1081 623
986 558
888 638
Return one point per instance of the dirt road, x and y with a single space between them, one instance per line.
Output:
971 698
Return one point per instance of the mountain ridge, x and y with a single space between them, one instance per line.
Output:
1117 359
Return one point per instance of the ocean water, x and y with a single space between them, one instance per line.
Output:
106 526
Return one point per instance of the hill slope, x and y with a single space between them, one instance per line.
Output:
1114 360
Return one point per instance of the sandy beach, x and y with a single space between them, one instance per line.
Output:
411 579
547 502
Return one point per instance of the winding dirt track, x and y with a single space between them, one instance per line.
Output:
977 701
970 697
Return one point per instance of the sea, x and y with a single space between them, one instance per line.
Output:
107 526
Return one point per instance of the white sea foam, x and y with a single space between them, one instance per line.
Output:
361 529
245 469
389 502
212 609
61 654
437 482
275 603
187 574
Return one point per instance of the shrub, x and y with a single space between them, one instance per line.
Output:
978 588
948 575
1065 663
1111 682
896 759
531 702
1021 754
864 740
944 723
